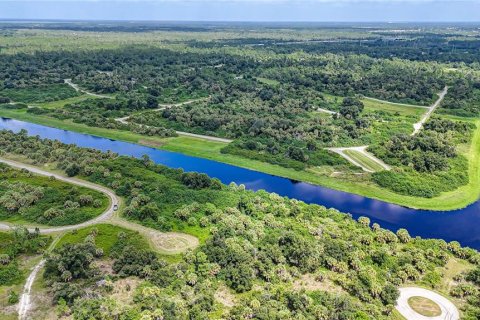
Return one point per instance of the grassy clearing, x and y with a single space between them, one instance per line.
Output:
456 199
106 237
61 103
364 160
268 81
375 105
424 306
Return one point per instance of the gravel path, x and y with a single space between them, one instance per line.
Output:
124 120
77 88
24 304
168 243
114 200
363 150
449 311
418 126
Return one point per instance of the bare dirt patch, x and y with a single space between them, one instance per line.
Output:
225 297
309 282
123 290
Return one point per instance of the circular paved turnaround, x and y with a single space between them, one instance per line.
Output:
449 311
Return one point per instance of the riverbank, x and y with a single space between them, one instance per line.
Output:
456 199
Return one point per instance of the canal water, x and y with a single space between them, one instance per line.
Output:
462 225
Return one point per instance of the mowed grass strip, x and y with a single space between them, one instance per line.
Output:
403 109
61 103
424 306
451 200
364 160
106 235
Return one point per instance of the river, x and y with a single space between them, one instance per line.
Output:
462 225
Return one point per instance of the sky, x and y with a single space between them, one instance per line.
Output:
246 10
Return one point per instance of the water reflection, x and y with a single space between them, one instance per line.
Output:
462 225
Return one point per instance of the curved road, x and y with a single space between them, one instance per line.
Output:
169 243
114 200
449 311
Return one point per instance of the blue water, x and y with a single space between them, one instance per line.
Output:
462 225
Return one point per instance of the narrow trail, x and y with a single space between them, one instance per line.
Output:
326 111
419 125
25 304
78 89
124 120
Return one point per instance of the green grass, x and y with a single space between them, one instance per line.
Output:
61 103
395 315
424 306
456 199
106 237
268 81
375 105
364 160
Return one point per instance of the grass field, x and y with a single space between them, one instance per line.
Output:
106 237
456 199
268 81
424 306
364 160
376 105
60 103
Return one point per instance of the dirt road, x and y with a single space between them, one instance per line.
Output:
418 126
363 150
78 89
449 311
167 243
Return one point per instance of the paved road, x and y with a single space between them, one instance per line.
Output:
418 126
363 150
114 200
449 311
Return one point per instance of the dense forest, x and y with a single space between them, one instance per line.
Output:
273 104
275 98
273 257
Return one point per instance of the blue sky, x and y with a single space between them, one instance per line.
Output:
245 10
